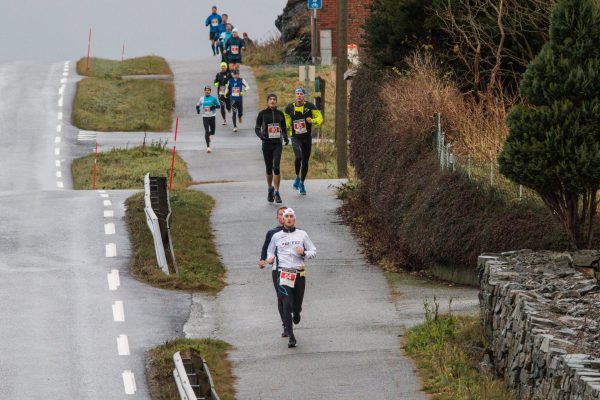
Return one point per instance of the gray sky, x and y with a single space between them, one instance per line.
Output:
55 30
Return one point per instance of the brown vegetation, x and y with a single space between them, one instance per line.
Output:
410 212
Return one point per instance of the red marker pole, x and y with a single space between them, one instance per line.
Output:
173 158
87 63
95 166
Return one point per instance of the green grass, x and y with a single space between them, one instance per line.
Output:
125 169
322 164
446 350
103 68
198 264
115 105
160 367
267 53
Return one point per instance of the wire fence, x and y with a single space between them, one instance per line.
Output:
481 171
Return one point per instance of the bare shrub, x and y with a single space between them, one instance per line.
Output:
475 127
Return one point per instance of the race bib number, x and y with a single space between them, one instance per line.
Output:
287 278
274 131
235 91
300 126
235 49
222 90
214 22
207 111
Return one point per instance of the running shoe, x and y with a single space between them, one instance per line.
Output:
270 197
278 198
284 333
292 341
297 182
235 129
240 117
296 318
208 150
224 122
302 189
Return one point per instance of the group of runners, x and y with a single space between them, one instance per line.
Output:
285 246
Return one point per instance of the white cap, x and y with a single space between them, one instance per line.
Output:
288 211
234 30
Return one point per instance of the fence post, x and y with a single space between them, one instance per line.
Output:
469 167
520 192
491 173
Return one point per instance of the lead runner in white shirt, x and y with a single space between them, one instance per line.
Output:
293 247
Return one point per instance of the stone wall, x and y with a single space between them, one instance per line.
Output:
541 319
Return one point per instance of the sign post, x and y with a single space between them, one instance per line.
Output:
314 5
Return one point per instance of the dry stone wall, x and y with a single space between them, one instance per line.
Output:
541 318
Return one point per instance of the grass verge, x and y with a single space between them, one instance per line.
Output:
160 367
446 350
103 68
198 263
115 105
125 168
282 80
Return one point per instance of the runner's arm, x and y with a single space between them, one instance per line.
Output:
259 124
245 84
207 22
288 122
217 80
263 253
310 251
271 250
317 117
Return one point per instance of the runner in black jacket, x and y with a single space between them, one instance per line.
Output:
274 274
271 129
221 80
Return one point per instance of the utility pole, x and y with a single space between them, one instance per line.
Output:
341 92
313 35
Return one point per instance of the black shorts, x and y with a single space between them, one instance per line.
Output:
234 59
213 35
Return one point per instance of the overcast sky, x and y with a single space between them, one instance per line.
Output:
56 30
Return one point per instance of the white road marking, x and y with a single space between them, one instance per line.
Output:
109 229
123 345
65 74
111 250
58 128
59 116
61 90
104 196
60 101
113 280
63 80
60 185
57 163
86 136
57 139
107 203
57 151
129 382
58 174
109 213
101 191
118 311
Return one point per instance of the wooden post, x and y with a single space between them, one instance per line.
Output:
341 92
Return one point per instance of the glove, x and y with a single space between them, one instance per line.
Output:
243 92
216 84
197 109
213 108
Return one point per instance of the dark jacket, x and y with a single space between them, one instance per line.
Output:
270 233
221 81
267 122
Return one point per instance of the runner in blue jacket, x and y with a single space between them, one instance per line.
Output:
214 20
208 106
236 89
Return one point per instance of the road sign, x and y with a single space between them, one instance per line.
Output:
315 4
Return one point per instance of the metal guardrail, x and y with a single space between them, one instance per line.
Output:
193 378
154 200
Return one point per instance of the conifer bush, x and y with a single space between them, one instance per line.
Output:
553 144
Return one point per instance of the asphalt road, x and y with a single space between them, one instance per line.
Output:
67 330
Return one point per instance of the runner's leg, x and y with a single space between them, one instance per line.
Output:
279 301
299 288
276 163
306 150
297 146
234 110
206 123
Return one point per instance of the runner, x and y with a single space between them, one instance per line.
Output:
223 38
263 257
208 104
214 20
233 48
223 29
293 246
271 129
301 116
221 81
236 89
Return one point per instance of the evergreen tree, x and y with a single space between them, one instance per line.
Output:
553 144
